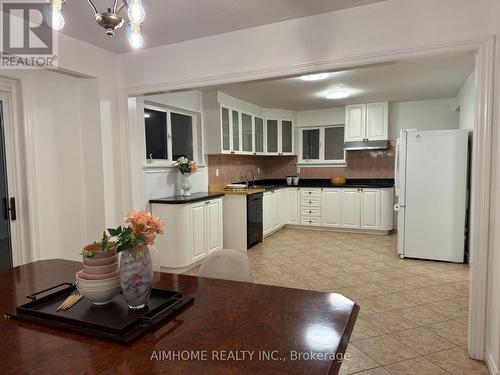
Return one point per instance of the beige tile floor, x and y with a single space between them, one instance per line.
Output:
413 317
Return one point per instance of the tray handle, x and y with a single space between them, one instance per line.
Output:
33 296
171 308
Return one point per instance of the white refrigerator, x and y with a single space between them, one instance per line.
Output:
431 171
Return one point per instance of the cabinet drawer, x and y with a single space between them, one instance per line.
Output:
311 211
313 193
311 202
310 221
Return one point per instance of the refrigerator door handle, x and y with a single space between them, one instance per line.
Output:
396 169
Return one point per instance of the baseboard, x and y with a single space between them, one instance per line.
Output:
492 366
341 230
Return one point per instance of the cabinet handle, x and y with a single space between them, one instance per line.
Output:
310 211
310 202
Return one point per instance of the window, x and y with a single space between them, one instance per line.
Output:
156 134
322 145
182 135
170 134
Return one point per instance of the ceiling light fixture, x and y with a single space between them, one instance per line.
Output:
111 20
340 94
315 77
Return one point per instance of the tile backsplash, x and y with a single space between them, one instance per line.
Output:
360 164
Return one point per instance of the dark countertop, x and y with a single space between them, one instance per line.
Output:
273 184
180 199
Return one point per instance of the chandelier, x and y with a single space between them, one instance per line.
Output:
110 20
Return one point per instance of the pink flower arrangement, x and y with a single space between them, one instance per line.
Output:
185 165
145 224
194 166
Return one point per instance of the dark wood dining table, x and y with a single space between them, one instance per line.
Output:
231 328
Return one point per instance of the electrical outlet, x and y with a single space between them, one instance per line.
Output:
217 172
258 170
298 169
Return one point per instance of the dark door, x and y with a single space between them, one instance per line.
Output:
8 205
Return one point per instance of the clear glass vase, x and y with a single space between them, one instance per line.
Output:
186 184
136 276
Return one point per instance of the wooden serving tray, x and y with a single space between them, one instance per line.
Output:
113 321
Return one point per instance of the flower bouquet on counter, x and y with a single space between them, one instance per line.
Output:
186 167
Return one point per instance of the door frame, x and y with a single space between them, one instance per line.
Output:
15 166
483 47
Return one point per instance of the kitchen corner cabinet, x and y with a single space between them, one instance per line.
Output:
194 231
229 130
366 122
279 137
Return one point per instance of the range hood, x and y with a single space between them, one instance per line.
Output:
365 145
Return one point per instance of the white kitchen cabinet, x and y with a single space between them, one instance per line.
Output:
355 122
194 231
366 122
286 137
273 207
369 208
278 209
247 131
292 206
377 120
232 130
199 231
213 225
267 212
332 208
350 208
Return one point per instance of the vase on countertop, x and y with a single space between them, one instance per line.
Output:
136 276
186 184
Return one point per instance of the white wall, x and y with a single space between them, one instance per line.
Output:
437 114
466 102
189 100
321 117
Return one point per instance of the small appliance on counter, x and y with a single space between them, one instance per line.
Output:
338 180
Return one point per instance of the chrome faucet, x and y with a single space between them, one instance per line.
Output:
246 176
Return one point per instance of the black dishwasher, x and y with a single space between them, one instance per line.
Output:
254 219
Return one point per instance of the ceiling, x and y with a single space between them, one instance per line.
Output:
172 21
397 81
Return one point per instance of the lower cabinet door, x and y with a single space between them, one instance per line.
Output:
277 209
268 212
214 225
370 208
332 208
350 208
198 231
292 206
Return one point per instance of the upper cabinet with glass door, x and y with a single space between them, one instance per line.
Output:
231 130
366 122
279 137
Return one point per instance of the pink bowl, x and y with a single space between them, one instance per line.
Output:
98 270
89 276
97 260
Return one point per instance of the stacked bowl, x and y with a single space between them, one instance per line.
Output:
99 281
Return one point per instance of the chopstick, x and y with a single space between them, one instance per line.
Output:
70 301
